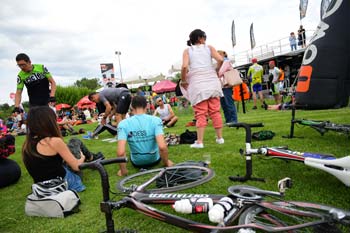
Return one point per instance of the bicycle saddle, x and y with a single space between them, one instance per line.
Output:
250 192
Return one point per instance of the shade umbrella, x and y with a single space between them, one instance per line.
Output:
86 103
164 86
60 106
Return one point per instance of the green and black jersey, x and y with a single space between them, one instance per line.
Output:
37 84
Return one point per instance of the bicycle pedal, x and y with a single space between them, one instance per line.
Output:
284 184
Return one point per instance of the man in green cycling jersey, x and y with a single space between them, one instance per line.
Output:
255 73
41 87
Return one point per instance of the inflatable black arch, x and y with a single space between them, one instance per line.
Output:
324 76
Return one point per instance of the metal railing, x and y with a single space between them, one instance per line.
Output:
269 50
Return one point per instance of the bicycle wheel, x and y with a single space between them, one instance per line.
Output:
173 179
298 216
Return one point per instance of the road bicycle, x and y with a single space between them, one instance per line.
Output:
338 167
249 211
320 126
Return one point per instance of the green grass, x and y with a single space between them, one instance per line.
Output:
309 184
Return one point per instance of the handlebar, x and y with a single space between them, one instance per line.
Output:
247 127
93 164
98 165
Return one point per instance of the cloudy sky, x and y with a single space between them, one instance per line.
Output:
72 37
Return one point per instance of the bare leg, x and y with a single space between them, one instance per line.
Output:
218 132
254 97
261 97
200 134
172 121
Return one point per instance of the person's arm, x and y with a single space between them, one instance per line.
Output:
121 153
219 59
163 150
155 112
18 97
107 112
184 69
53 86
62 149
171 113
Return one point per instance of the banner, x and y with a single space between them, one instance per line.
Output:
108 78
252 38
302 8
324 7
233 34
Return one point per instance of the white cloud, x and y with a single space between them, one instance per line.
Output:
73 37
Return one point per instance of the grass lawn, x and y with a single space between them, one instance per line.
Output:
309 184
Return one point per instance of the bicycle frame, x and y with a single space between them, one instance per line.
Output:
340 168
320 126
139 201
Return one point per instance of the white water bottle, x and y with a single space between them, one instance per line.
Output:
220 210
193 205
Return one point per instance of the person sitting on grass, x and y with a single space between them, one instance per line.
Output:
144 134
64 124
166 113
283 106
44 150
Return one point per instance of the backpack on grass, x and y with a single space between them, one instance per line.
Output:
263 135
55 206
188 137
52 198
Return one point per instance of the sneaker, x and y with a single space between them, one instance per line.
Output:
87 137
220 141
230 124
254 108
265 106
197 145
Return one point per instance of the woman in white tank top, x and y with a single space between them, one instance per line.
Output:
201 86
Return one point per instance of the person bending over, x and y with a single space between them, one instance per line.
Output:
117 99
44 150
166 113
144 134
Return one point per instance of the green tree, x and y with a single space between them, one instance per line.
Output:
71 94
5 107
91 84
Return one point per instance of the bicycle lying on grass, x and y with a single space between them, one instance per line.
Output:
320 126
338 167
249 210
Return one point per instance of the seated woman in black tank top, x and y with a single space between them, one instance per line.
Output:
44 150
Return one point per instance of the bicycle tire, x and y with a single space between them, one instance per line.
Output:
129 183
272 218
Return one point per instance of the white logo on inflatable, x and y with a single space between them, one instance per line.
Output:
311 51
